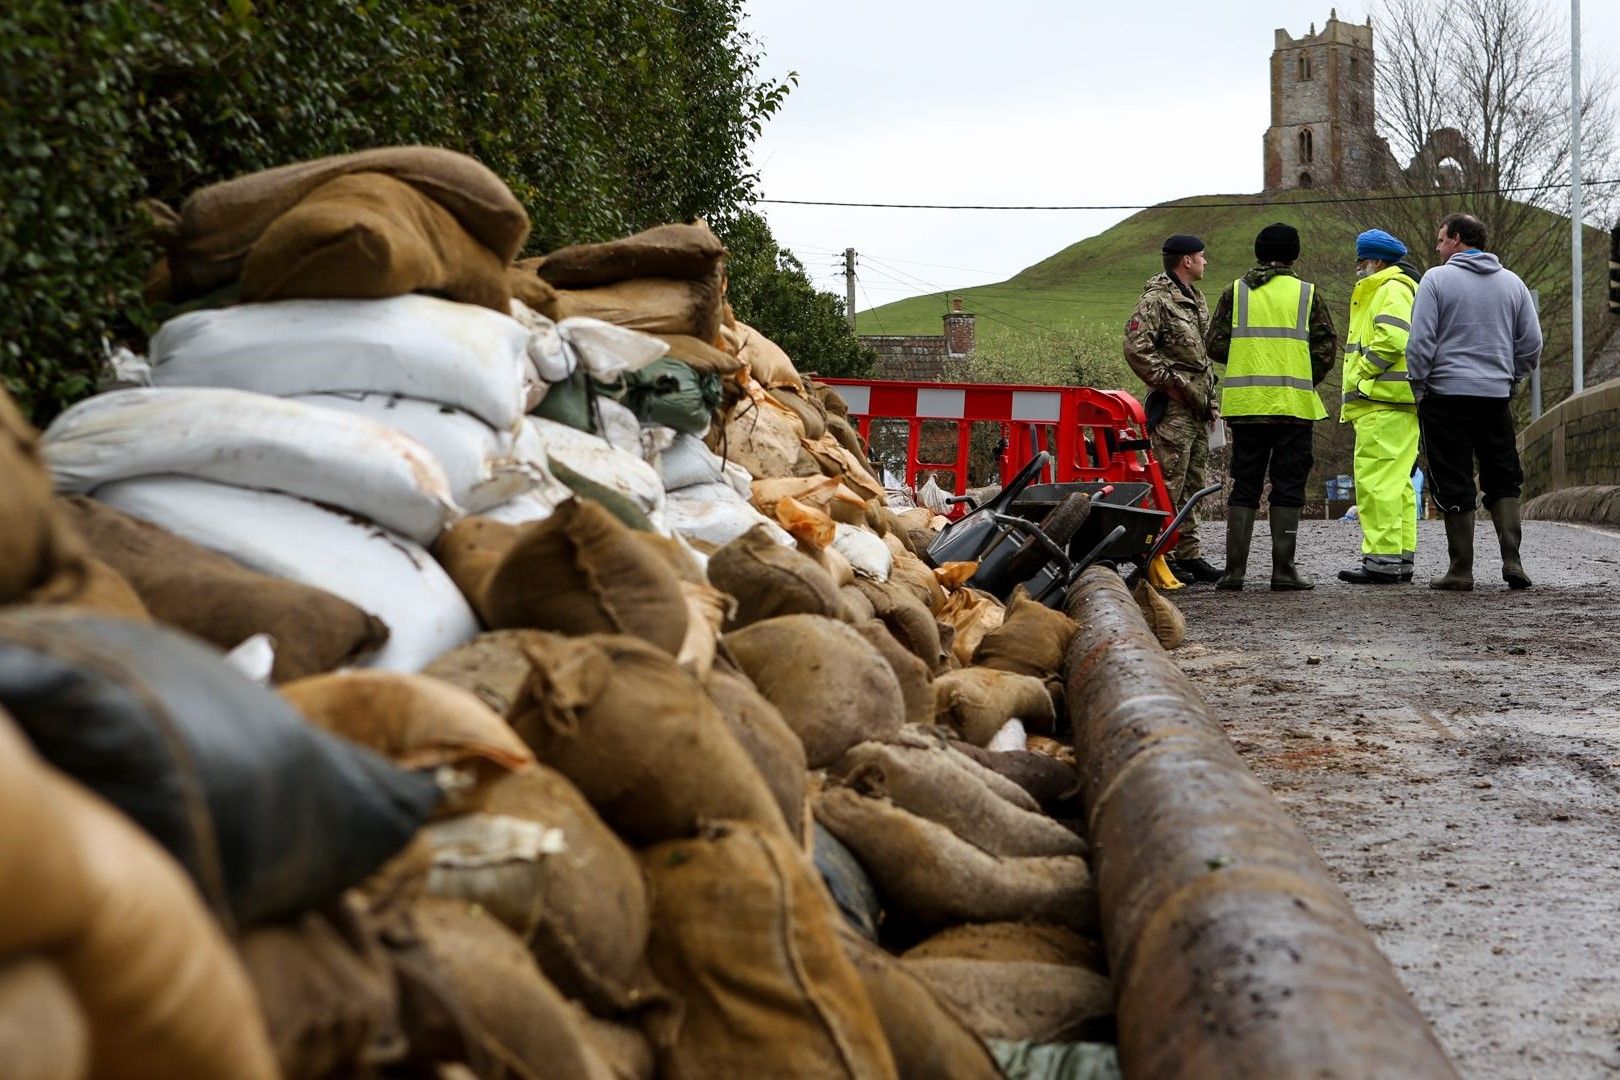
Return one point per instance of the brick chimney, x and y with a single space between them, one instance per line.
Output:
959 330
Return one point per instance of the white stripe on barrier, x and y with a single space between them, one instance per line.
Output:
858 398
1036 405
948 404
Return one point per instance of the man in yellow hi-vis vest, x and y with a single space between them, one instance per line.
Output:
1276 338
1378 401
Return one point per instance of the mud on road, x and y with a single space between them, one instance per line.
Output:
1455 759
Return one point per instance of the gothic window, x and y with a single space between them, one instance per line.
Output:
1305 147
1304 67
1355 107
1304 179
1355 69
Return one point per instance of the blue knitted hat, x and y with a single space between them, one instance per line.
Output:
1378 244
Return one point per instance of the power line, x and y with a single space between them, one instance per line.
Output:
931 286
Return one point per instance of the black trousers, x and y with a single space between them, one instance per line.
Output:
1281 449
1457 433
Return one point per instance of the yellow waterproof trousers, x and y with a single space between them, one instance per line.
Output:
1386 449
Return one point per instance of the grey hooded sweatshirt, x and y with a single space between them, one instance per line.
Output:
1474 329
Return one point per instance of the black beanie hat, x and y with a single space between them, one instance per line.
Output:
1277 243
1182 244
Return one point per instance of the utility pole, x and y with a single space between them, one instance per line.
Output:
849 285
1577 278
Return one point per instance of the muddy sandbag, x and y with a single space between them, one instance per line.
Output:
769 742
972 614
768 579
912 624
847 881
1031 640
623 1048
929 877
492 667
686 252
767 362
327 992
916 684
926 1038
418 723
699 355
744 936
811 417
33 547
653 305
540 860
367 236
639 738
1166 621
761 436
43 1031
1046 1003
831 687
1054 785
267 813
976 702
1005 942
524 1026
928 782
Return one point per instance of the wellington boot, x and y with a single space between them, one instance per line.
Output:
1239 531
1284 533
1505 515
1460 546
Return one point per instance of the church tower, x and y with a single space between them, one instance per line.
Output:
1321 133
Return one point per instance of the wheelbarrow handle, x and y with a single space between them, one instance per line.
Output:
1033 531
1096 553
1175 523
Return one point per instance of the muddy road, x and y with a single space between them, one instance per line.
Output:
1455 759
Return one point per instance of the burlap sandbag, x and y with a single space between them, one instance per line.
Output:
1044 1003
912 624
527 288
686 252
492 667
972 614
759 728
417 722
916 684
821 492
209 596
1166 621
700 356
522 1023
812 418
94 587
540 860
32 547
653 305
622 1047
327 992
858 608
928 782
767 363
43 1032
767 579
831 458
367 236
813 531
761 437
915 576
220 223
1031 640
926 1038
746 938
1052 784
830 685
976 702
707 610
930 877
1011 942
639 738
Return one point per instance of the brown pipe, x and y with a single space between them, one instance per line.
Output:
1233 951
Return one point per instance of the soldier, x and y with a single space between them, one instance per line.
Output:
1164 344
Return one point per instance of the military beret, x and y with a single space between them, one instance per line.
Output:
1182 244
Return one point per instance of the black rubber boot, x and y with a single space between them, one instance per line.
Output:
1460 546
1509 530
1199 569
1370 573
1239 531
1284 534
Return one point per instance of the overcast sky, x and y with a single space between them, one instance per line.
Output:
1019 101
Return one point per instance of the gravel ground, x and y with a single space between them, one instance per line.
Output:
1455 758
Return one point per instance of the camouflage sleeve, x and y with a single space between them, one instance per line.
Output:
1141 343
1218 341
1324 339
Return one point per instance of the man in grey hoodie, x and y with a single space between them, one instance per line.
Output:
1475 338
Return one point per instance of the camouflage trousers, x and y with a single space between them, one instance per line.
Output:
1181 443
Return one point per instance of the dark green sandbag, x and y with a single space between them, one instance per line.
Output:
672 393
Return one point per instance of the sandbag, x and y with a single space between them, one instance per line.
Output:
744 936
43 1031
491 666
220 223
688 462
847 881
1054 785
1009 942
1044 1003
268 814
912 624
418 723
594 458
1166 621
930 877
972 614
621 1046
761 436
768 579
928 782
380 573
926 1038
33 545
1025 1060
707 609
701 355
673 394
161 993
638 736
767 363
866 552
916 684
828 683
653 305
716 514
811 417
419 346
1031 640
975 702
915 576
93 587
669 251
541 861
347 462
858 608
765 737
520 1021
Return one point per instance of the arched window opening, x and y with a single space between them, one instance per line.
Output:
1304 67
1306 149
1304 179
1355 109
1355 68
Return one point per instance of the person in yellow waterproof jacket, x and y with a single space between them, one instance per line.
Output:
1378 401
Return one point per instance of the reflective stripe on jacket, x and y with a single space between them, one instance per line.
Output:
1375 348
1268 367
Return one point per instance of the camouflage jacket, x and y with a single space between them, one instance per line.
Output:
1164 344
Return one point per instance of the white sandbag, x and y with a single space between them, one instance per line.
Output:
482 464
349 462
1012 736
688 462
608 351
549 360
255 658
536 505
619 426
380 572
596 459
867 553
419 346
716 514
122 369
